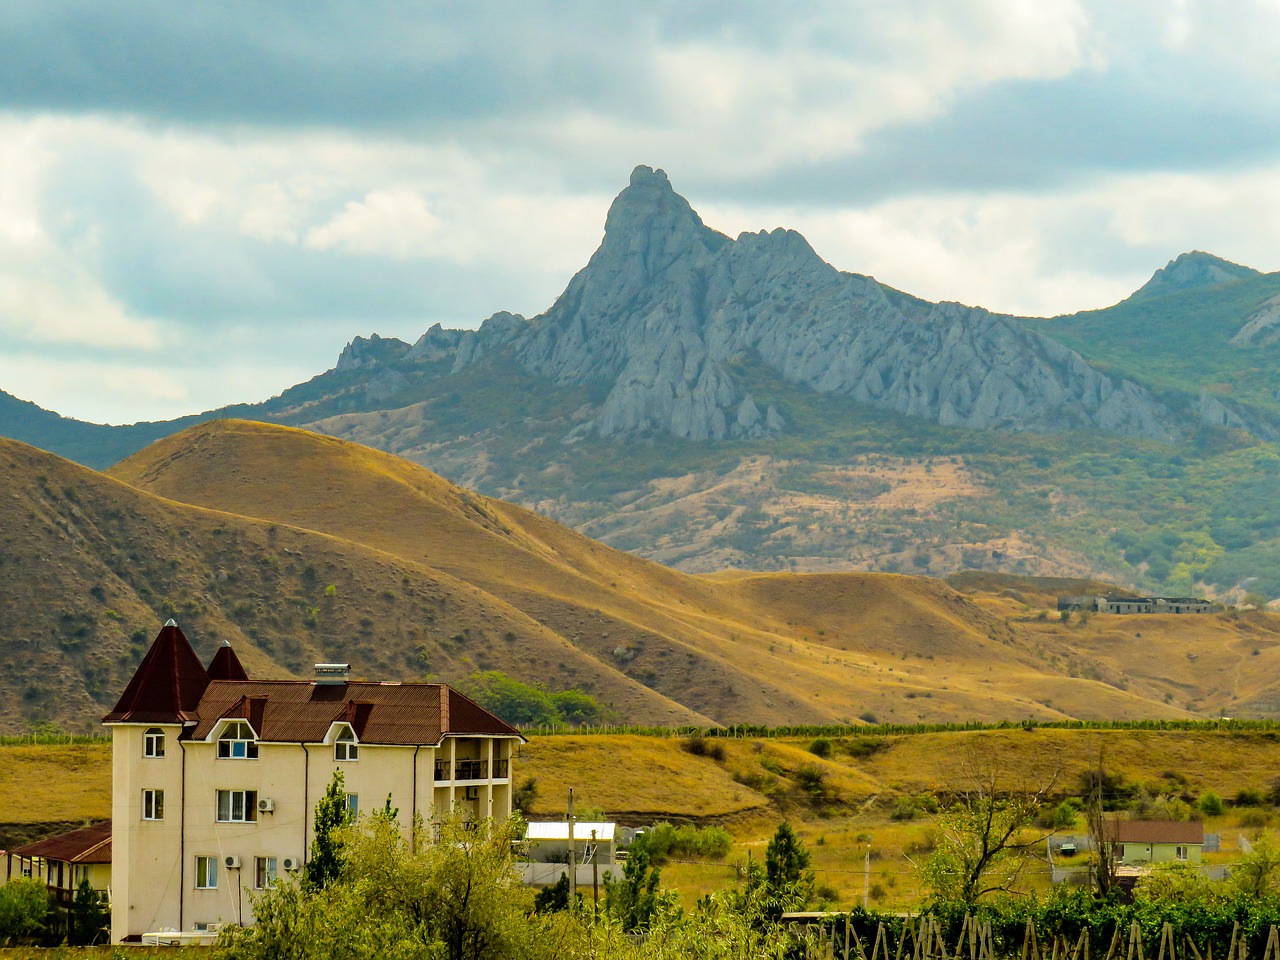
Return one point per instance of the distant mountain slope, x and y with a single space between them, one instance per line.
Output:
1201 326
239 530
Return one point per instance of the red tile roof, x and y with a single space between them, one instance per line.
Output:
86 845
171 686
293 711
167 685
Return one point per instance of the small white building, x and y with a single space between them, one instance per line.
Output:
546 845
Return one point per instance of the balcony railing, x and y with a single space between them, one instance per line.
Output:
472 770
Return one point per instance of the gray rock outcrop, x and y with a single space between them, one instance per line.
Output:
667 309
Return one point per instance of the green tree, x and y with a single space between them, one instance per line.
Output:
24 908
333 813
1257 874
981 843
787 879
633 900
1210 804
456 898
88 916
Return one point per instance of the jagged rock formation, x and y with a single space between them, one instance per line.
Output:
666 304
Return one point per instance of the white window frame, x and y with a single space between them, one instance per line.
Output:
345 746
264 872
1180 852
153 744
237 741
152 804
210 871
225 802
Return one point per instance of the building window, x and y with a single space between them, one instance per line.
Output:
152 804
346 747
237 742
237 806
206 873
1181 853
353 805
264 872
153 743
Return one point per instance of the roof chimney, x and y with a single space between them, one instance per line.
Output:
332 674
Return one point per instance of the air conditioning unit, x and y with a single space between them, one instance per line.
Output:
473 793
232 862
266 805
291 864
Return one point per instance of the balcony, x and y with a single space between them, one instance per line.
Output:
472 770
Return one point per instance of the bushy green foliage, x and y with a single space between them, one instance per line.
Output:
88 917
1210 804
24 909
525 704
457 898
663 841
788 881
332 815
634 901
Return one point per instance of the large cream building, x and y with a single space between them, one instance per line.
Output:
216 777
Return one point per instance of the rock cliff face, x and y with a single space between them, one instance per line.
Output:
666 303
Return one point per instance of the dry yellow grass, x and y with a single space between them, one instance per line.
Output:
46 784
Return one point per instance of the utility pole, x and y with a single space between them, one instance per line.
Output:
595 878
573 866
866 879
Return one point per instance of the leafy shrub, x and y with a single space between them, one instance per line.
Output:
664 841
1210 804
24 907
820 747
529 704
1249 798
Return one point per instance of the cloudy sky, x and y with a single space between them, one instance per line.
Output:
202 203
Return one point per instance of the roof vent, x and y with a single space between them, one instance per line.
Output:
332 673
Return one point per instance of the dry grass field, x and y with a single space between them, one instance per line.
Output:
841 805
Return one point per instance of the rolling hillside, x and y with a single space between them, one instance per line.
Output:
299 547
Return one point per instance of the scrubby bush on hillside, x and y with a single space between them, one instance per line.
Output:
665 841
527 704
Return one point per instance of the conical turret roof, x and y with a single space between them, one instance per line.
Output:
168 683
225 665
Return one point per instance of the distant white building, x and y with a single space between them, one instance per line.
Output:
546 844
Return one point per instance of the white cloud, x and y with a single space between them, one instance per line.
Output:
392 223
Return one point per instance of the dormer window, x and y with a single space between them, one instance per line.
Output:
237 742
345 746
153 743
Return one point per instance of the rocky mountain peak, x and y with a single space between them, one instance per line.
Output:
1195 269
652 225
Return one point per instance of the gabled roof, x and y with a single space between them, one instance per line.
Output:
167 685
87 845
225 665
297 711
1156 831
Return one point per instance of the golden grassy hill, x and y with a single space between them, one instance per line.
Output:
777 648
93 566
